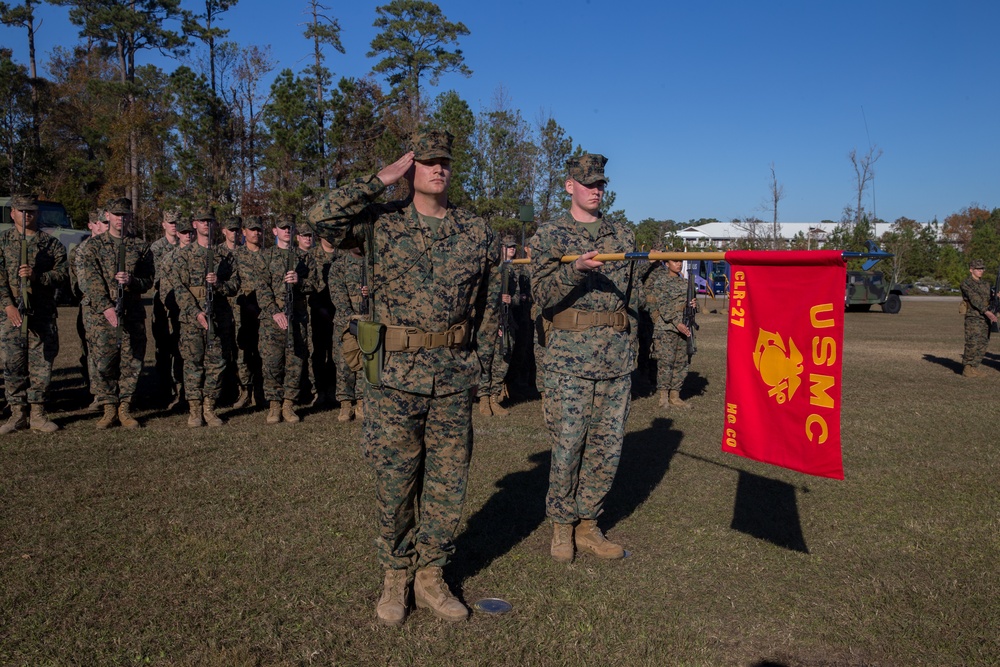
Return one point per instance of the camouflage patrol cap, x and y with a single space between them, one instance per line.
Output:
587 169
508 242
184 226
235 222
119 206
24 202
96 215
254 222
171 216
977 264
284 221
206 213
431 144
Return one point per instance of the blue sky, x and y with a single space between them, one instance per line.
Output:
693 101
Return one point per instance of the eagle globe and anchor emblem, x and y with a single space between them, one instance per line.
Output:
779 365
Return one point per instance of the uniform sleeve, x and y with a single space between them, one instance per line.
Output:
92 283
228 278
58 275
338 215
6 294
487 303
142 274
552 282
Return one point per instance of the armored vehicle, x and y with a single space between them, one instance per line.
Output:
868 288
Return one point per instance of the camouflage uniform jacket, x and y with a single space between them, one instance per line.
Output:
250 267
74 280
977 295
426 280
599 352
320 299
96 263
187 277
665 297
160 249
344 283
271 286
47 259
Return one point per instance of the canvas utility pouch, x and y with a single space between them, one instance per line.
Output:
350 348
963 307
371 343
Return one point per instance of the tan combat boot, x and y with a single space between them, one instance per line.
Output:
211 418
971 372
484 406
496 408
664 399
194 414
18 419
109 417
391 607
430 592
40 421
346 411
588 537
274 413
242 399
562 542
359 411
288 412
675 400
127 420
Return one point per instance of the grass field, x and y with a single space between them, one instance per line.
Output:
253 545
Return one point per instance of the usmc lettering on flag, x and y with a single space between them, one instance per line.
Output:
783 381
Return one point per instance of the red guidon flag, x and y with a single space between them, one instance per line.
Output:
783 368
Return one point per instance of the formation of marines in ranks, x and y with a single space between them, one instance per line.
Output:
220 321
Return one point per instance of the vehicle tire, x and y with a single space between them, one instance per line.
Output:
892 304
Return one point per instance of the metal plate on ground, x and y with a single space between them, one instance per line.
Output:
627 553
493 606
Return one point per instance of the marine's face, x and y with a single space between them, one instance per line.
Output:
22 218
253 236
431 177
304 241
117 223
283 234
675 266
232 236
586 197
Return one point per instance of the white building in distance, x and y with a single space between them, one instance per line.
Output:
722 234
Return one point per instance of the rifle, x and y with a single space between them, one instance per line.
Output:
209 292
995 303
290 265
22 299
506 328
120 296
689 313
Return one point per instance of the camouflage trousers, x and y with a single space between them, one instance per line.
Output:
248 346
586 419
670 351
347 380
324 369
203 364
27 369
977 340
166 343
116 369
498 372
420 448
283 362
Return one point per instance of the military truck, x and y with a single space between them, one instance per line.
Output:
868 288
52 219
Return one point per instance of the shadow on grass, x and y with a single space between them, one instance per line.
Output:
511 514
950 364
645 460
695 384
768 510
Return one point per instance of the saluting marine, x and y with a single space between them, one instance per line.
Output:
32 267
431 266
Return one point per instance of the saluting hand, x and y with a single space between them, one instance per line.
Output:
395 171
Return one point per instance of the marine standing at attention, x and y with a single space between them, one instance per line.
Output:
978 318
32 267
592 314
115 270
430 264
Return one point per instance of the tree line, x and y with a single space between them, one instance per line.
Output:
102 124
